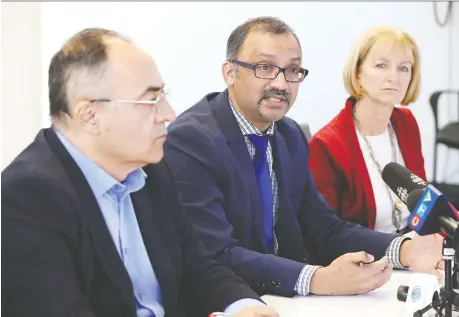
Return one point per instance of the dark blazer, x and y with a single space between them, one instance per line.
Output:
58 258
208 155
339 168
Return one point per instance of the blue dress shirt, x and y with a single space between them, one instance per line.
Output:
116 206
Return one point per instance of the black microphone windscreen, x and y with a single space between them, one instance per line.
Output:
413 199
401 180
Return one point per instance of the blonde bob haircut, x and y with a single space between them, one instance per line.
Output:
390 36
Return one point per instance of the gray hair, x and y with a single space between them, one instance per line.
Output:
83 58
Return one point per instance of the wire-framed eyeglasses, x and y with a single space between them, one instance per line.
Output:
163 91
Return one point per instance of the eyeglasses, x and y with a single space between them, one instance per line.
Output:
154 101
292 74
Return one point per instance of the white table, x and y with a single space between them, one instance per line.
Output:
379 303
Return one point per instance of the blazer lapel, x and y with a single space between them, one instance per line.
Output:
89 209
151 223
236 142
290 245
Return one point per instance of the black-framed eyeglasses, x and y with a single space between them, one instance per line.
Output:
163 91
292 74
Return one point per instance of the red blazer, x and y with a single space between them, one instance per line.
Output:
337 163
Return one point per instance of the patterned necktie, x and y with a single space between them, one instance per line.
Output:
261 167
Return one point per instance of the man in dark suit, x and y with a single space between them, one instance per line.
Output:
90 227
242 170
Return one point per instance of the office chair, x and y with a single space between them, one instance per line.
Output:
306 131
448 135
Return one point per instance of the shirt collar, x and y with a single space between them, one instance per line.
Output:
245 125
98 179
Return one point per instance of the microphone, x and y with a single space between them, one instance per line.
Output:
430 210
402 293
417 292
403 290
423 290
430 213
401 181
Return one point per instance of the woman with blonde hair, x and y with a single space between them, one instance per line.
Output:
348 154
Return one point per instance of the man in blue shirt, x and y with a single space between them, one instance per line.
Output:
90 226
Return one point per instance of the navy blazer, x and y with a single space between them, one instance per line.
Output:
58 258
208 155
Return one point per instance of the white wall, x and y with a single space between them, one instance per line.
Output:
21 76
188 42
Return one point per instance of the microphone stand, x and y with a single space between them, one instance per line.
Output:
447 296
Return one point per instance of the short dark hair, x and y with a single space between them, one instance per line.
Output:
264 24
86 51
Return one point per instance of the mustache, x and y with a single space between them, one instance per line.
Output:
273 92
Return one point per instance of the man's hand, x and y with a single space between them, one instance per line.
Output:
423 253
346 276
257 311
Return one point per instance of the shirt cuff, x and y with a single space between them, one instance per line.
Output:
240 304
393 252
304 280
